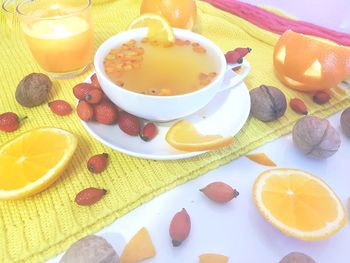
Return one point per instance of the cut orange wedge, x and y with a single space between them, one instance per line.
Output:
33 161
184 136
158 28
298 204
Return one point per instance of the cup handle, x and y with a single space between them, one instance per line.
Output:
231 78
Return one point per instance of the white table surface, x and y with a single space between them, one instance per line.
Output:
237 229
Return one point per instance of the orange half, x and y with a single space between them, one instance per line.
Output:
299 204
33 161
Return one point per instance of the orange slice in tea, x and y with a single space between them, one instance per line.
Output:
33 161
184 136
298 204
158 27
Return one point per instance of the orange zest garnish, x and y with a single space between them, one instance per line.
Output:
298 204
184 136
261 158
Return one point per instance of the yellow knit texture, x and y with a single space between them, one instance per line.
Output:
37 228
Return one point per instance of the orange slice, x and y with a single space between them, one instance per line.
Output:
158 28
298 204
139 248
213 258
33 161
184 136
261 158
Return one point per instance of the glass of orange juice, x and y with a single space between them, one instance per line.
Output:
59 34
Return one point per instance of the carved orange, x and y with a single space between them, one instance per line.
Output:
308 64
179 13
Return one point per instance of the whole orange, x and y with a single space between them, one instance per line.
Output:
310 64
179 13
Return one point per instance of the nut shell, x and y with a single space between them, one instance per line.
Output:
268 103
297 257
316 137
345 121
90 249
33 90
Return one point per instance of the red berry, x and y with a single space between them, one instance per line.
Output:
81 89
9 121
149 131
243 51
233 57
129 124
94 81
93 96
106 113
60 107
85 111
97 163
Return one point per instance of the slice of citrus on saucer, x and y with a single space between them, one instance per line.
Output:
184 136
298 204
34 160
158 28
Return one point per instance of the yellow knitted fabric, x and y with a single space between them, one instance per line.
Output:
37 228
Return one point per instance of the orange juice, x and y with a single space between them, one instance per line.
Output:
60 45
153 68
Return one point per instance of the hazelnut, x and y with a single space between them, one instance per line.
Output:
268 103
33 90
297 257
90 249
316 137
345 121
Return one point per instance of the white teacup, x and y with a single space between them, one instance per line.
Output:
167 108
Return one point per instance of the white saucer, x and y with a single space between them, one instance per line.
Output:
225 115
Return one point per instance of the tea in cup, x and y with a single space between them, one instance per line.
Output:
162 82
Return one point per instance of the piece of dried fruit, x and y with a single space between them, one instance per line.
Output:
93 96
345 121
233 57
139 248
9 121
297 257
89 196
321 97
213 258
149 131
129 124
298 106
33 90
261 158
106 113
90 249
243 51
60 107
97 163
219 192
85 111
268 103
316 137
180 227
81 89
94 81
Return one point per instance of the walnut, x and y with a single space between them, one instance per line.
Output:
33 90
345 121
297 257
90 249
268 103
316 137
